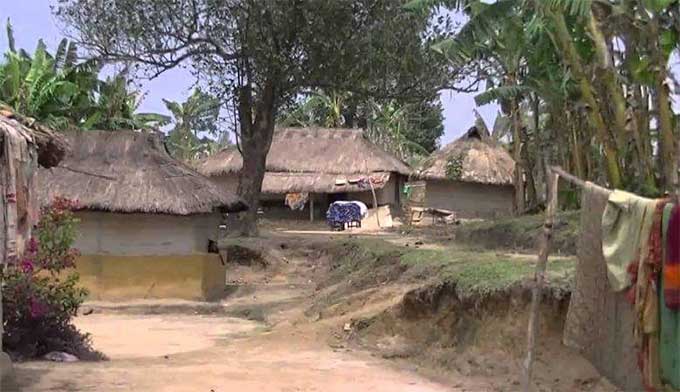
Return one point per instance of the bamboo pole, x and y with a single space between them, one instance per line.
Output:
375 200
539 277
554 174
311 207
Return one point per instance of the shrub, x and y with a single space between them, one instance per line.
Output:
40 293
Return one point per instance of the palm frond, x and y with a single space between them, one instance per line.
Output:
482 27
10 37
500 93
60 56
580 8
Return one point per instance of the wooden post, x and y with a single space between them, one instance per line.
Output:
375 200
311 207
539 277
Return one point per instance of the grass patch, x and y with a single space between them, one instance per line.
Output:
478 273
521 232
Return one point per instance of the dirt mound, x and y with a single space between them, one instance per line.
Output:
435 328
451 313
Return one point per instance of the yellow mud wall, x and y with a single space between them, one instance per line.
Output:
139 256
117 278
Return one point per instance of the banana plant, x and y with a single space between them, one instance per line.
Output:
196 125
65 93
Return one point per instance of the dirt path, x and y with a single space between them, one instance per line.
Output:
196 347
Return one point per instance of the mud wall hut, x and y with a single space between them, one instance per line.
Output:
328 164
145 218
472 176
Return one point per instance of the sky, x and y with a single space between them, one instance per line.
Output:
32 20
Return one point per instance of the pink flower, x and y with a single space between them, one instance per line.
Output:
38 309
27 266
32 246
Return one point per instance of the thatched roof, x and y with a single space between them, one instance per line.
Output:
472 158
279 182
127 171
51 146
313 150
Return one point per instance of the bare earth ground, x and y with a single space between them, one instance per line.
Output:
261 339
182 351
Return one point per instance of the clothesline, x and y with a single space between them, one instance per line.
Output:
579 182
554 173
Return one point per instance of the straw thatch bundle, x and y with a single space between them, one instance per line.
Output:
127 171
313 150
472 158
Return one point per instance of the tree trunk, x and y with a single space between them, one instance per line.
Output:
614 91
667 154
517 156
256 139
595 115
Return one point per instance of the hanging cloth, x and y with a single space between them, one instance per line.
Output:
671 272
645 296
669 346
626 221
599 322
297 201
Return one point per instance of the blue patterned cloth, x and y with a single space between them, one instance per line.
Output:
340 214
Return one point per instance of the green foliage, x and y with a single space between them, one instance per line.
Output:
454 167
40 293
502 93
473 273
198 115
63 93
408 129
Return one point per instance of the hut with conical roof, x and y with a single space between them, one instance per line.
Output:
146 219
472 176
328 164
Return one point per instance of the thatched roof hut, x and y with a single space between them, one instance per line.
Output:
472 158
330 163
127 172
146 220
472 176
312 150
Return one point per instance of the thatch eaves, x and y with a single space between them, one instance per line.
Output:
313 150
285 182
128 171
51 145
471 158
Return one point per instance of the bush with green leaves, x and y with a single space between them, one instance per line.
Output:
40 292
454 167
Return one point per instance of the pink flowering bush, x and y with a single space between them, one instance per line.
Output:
40 293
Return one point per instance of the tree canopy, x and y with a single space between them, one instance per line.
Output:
64 92
586 84
256 56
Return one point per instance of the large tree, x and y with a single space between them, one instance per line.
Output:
259 54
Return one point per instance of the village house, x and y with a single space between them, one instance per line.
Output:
472 176
327 164
146 219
